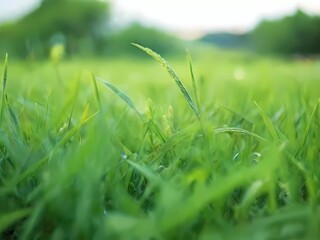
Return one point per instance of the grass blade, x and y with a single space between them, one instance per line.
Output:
120 94
146 172
96 91
172 73
239 131
65 139
194 84
267 121
4 84
306 131
5 73
235 113
9 219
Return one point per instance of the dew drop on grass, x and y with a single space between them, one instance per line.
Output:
124 156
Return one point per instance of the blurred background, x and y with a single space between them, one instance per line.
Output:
29 29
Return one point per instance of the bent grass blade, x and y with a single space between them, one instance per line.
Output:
173 75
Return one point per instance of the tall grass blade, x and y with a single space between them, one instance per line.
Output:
4 84
172 73
306 131
194 83
267 121
96 91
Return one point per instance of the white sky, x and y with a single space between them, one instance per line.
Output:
187 15
10 9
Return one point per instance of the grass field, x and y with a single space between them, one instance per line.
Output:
119 149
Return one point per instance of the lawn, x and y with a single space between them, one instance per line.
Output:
117 148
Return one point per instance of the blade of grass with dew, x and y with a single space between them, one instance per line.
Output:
172 73
120 94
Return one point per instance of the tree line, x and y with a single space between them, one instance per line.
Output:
82 27
295 34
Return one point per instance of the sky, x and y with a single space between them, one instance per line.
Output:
10 9
186 17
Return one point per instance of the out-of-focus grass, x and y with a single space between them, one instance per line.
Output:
76 162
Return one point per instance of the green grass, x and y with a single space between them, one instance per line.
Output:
223 147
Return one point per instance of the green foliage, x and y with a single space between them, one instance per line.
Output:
228 40
77 163
78 25
83 29
161 42
296 34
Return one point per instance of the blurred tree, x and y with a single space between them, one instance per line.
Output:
296 34
78 24
161 42
228 40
